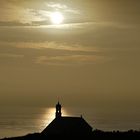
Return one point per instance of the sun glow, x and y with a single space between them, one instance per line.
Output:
56 18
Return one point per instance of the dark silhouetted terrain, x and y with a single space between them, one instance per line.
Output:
95 135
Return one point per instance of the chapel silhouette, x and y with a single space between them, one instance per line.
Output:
65 125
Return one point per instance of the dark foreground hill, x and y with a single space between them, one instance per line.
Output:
95 135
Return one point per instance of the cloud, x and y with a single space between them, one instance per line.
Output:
68 25
74 11
56 5
69 60
10 55
29 12
62 7
52 53
13 23
21 12
36 13
50 45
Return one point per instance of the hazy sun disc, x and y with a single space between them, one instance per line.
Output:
56 18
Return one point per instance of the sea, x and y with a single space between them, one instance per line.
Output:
19 121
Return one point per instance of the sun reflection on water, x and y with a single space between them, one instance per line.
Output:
49 115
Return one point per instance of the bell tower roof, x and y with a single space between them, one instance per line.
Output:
58 104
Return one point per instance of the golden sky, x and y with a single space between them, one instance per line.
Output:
91 58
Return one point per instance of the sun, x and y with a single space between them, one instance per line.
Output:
56 18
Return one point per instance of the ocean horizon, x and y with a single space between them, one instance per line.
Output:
19 121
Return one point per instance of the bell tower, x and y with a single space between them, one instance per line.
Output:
58 110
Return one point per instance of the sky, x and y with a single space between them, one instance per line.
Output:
91 59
